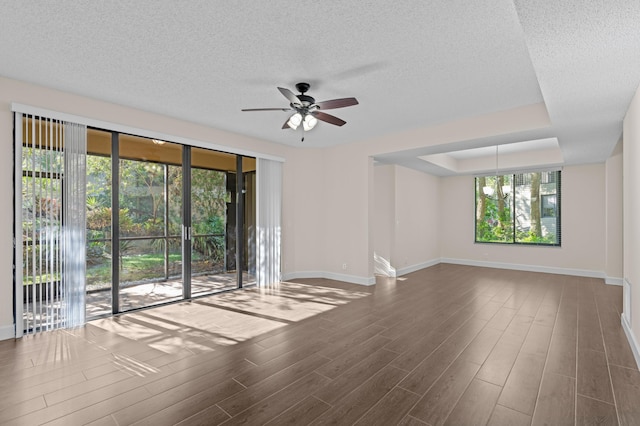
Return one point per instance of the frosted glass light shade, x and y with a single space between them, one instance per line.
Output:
309 122
295 120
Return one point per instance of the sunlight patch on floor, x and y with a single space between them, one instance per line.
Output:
226 319
289 302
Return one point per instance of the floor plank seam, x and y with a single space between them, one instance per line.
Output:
325 376
251 362
515 409
487 381
544 369
407 390
221 409
520 345
320 399
433 351
595 399
622 366
240 383
606 354
575 371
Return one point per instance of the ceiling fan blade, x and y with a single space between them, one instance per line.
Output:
337 103
289 95
328 118
267 109
286 124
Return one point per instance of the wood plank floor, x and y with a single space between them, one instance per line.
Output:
450 344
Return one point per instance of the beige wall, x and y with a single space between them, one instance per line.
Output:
383 217
583 233
406 219
613 220
417 220
631 212
346 234
303 218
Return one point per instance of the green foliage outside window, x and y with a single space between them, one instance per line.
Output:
519 208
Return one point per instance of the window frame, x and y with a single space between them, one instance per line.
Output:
557 180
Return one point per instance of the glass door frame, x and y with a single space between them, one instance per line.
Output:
186 222
115 222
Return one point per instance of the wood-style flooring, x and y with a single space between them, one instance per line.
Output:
447 345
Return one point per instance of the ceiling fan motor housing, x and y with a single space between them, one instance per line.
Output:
303 87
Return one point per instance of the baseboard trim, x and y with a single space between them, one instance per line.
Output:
353 279
413 268
613 281
467 262
529 268
635 348
7 332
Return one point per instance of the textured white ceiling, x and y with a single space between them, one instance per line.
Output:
410 64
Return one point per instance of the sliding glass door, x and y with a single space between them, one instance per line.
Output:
211 237
149 219
161 222
141 222
214 207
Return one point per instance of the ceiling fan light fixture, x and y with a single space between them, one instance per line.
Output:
306 110
295 120
309 122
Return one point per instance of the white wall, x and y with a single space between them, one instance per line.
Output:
631 212
384 217
417 220
406 220
583 232
613 220
347 241
303 209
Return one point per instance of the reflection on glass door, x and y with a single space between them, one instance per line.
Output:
249 257
149 247
98 220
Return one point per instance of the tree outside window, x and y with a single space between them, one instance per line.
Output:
520 208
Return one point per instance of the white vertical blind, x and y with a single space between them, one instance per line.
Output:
74 226
50 226
268 236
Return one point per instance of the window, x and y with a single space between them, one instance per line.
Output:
521 208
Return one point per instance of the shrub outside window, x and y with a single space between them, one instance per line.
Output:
520 208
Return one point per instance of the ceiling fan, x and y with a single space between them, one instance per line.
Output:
306 110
